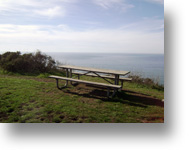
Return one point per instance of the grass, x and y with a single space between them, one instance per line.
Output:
29 99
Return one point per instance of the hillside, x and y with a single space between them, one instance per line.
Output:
37 100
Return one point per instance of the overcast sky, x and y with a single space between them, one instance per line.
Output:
125 26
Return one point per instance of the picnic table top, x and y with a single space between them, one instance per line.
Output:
115 72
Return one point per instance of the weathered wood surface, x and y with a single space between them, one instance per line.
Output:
104 76
86 82
114 72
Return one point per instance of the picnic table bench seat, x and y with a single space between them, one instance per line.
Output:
104 76
108 86
122 79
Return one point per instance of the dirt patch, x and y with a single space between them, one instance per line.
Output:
32 100
153 118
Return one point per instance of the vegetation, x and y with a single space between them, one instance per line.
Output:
146 82
36 99
27 63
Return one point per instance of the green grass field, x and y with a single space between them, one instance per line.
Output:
29 99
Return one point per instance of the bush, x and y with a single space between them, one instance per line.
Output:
146 82
27 63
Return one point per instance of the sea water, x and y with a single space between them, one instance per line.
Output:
144 65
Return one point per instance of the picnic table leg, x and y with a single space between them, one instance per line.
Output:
108 93
70 75
116 81
57 84
67 75
121 84
60 87
66 84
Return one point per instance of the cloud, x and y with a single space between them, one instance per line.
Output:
62 38
117 4
156 1
50 12
45 8
146 24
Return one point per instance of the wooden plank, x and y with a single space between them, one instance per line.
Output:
86 82
115 72
104 76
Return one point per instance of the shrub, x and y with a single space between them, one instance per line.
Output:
27 63
146 82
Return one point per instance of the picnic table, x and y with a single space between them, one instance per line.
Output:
94 72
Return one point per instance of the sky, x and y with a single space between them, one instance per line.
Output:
114 26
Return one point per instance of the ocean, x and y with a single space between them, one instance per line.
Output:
144 65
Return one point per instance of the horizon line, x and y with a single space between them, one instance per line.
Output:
80 52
